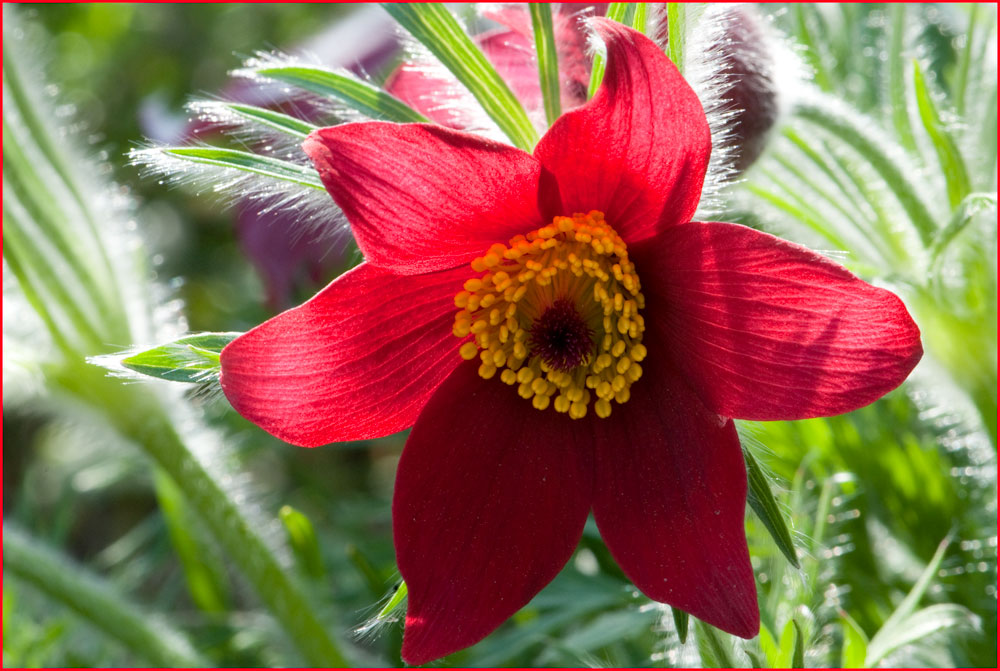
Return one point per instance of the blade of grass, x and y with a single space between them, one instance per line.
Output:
966 211
762 501
676 19
832 117
681 622
548 58
95 600
964 59
713 647
433 26
246 162
282 123
897 83
616 12
356 93
953 168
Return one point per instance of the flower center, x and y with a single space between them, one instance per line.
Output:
557 311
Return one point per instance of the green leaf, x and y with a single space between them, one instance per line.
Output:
193 358
247 162
763 503
713 647
769 646
639 15
433 26
897 85
681 622
966 211
831 115
358 94
895 630
265 117
918 626
302 538
95 600
949 157
616 12
397 598
548 59
799 651
204 573
676 26
855 647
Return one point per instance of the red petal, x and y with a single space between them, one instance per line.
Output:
670 499
359 360
491 497
421 197
639 149
768 330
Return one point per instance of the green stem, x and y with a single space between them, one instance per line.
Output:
548 58
95 600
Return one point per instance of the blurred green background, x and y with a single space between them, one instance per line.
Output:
870 496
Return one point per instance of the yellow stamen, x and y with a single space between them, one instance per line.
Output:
576 270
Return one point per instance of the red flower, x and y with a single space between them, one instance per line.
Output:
580 284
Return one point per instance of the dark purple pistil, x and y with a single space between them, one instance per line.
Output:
560 336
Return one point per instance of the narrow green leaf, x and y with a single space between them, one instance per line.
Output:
755 661
640 15
918 626
799 651
762 502
964 60
270 118
247 162
193 358
966 211
358 94
807 37
897 82
302 538
855 646
140 418
433 26
713 647
769 646
681 622
956 176
895 628
616 12
676 25
397 598
830 115
548 58
204 573
95 600
376 582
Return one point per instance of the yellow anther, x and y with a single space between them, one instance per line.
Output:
579 262
468 351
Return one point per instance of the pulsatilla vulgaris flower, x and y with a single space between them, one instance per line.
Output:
563 339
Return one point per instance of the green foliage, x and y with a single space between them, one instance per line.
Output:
193 358
433 26
127 511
